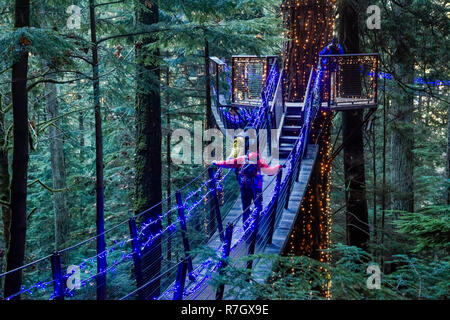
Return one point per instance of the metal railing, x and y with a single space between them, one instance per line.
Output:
152 251
350 80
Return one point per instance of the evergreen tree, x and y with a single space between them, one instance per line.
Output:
19 94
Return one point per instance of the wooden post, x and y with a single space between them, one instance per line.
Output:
183 233
269 133
251 248
136 245
275 209
291 178
303 141
223 263
58 284
181 280
215 200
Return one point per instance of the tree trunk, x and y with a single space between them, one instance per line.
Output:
5 191
402 142
402 128
148 167
358 233
61 213
168 164
16 251
374 169
81 130
100 221
208 111
448 154
309 27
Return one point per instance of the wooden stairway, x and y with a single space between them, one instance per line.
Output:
291 129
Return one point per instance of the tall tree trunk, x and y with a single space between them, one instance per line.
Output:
374 169
61 212
168 163
5 191
16 250
402 133
148 165
309 27
448 154
208 111
81 130
100 221
358 233
402 143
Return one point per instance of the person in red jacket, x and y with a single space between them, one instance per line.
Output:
250 169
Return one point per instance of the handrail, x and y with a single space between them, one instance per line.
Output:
271 89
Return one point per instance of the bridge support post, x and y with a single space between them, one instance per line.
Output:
226 254
274 212
58 284
291 178
136 245
301 155
254 236
183 233
213 187
181 280
269 134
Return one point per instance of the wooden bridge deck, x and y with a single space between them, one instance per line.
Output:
281 232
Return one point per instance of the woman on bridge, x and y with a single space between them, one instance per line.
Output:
249 170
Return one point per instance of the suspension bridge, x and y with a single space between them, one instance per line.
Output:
173 250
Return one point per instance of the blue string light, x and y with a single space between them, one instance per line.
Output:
312 105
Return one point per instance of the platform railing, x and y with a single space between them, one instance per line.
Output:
350 80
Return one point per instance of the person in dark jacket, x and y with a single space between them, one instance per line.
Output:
250 169
333 48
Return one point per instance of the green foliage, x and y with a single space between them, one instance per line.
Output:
429 227
35 41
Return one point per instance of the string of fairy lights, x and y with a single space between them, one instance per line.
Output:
308 26
307 35
43 286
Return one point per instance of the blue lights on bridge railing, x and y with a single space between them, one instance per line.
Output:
158 232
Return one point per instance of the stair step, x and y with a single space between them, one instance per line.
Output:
293 116
292 128
293 111
286 146
289 138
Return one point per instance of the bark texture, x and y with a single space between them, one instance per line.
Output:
61 212
357 219
16 250
148 167
308 28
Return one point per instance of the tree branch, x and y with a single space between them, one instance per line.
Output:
46 187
